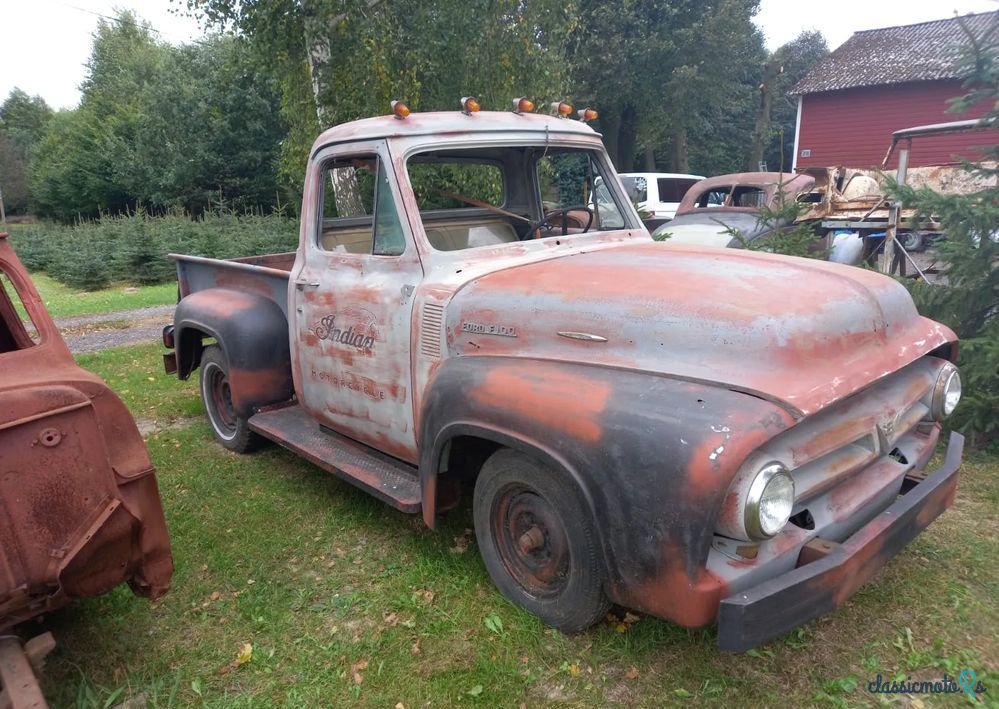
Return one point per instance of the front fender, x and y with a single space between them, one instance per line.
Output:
653 456
253 334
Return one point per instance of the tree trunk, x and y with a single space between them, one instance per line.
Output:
343 181
761 132
679 157
627 139
650 160
610 122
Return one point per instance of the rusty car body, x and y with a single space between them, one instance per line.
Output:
79 507
834 201
714 208
705 435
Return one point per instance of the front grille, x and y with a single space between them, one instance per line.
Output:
864 436
848 463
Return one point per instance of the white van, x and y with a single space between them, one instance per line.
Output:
657 194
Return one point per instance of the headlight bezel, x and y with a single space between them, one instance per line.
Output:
949 373
739 516
768 474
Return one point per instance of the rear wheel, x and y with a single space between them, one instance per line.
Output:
231 430
537 541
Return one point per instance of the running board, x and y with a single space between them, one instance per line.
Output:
390 481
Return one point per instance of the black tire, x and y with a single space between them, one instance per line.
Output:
230 430
538 542
912 241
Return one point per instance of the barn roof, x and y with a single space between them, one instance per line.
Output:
927 51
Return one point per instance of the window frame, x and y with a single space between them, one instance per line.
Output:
8 309
383 164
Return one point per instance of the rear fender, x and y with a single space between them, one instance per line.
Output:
253 334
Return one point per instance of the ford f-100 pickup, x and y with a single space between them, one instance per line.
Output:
704 435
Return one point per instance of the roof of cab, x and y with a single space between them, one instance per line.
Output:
449 123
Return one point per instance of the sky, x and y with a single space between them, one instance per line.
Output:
45 44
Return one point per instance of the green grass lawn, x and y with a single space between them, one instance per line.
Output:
63 301
294 589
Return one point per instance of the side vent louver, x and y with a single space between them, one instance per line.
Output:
430 330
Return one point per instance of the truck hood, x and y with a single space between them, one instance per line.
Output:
799 332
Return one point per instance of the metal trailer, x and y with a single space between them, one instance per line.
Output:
853 200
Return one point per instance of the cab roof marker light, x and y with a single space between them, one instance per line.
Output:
523 105
587 114
400 109
469 105
561 109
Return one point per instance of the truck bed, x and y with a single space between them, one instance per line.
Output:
266 275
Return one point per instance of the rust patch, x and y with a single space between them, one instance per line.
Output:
566 402
251 388
689 599
80 511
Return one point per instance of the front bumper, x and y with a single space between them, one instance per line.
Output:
757 614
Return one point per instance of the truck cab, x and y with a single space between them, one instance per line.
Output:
703 435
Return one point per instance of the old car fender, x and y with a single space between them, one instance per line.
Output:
253 334
653 456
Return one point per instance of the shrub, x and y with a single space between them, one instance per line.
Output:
968 298
133 248
34 245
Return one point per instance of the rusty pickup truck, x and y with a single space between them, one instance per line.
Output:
80 510
704 435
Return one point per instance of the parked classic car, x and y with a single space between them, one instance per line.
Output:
704 435
846 209
713 208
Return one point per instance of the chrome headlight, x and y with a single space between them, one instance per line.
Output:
946 392
758 506
771 497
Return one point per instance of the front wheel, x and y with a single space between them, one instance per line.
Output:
231 430
537 541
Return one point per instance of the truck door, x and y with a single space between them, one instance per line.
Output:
351 289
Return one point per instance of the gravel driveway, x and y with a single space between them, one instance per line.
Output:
92 333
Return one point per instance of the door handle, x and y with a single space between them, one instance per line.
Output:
306 284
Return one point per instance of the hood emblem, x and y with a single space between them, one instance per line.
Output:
481 329
584 336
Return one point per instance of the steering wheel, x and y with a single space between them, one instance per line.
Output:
564 213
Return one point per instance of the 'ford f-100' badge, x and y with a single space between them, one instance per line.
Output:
480 329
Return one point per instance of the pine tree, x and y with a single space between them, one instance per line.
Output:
968 299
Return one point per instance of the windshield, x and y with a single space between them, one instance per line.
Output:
472 197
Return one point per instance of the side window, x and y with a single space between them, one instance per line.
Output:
717 197
359 213
636 187
17 332
748 197
672 189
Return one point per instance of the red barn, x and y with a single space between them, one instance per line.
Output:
883 80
